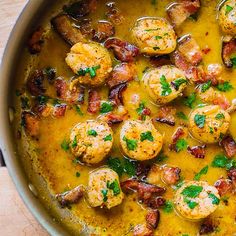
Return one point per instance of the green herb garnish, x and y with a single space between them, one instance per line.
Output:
228 9
42 100
114 186
191 204
192 191
106 107
181 115
104 194
74 143
131 143
168 207
181 145
156 48
108 138
220 116
158 37
146 136
92 132
165 86
224 87
89 70
65 145
215 200
78 110
205 86
200 120
190 100
77 174
203 171
178 82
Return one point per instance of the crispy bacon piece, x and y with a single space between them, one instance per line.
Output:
30 122
145 191
176 136
142 230
160 60
142 170
59 110
153 218
123 50
179 11
76 95
171 175
114 14
122 73
36 41
228 50
35 83
105 29
71 197
156 202
42 110
64 27
206 227
191 51
94 102
232 175
166 115
85 27
229 146
197 151
224 186
113 119
115 94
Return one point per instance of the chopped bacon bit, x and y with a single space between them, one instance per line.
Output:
160 60
114 14
206 50
35 83
70 197
171 175
224 186
156 202
94 102
76 95
142 230
115 94
36 41
206 227
198 151
122 73
85 27
153 218
42 110
228 50
232 175
59 110
176 136
229 145
142 170
189 48
166 115
105 29
123 50
145 191
113 119
30 122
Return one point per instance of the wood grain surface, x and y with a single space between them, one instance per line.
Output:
15 219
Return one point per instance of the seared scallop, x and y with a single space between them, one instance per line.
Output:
140 140
91 141
164 84
104 188
154 36
196 200
209 123
91 62
227 17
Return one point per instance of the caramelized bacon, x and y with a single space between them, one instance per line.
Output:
156 202
153 218
59 110
142 230
224 186
113 119
123 51
71 197
36 41
35 83
171 175
206 227
228 50
142 170
114 14
197 151
122 73
115 94
229 146
232 175
105 29
30 122
94 102
176 136
166 115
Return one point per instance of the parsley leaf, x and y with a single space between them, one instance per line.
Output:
168 207
190 100
129 167
181 115
77 174
104 194
131 143
220 116
192 191
215 200
203 171
226 86
156 48
146 136
42 99
220 161
89 70
165 86
191 204
106 107
74 143
92 132
161 157
114 186
181 145
65 145
108 138
116 165
158 37
78 110
178 82
228 9
200 120
205 86
233 61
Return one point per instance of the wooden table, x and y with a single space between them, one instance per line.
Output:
15 219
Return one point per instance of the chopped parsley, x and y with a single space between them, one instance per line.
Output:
220 116
130 143
161 157
65 145
200 120
74 143
168 207
233 61
89 70
221 161
211 130
156 48
178 82
42 99
181 145
203 171
181 115
148 30
215 199
146 136
179 184
190 100
224 87
165 86
114 186
192 191
77 174
153 2
140 110
158 37
25 103
106 107
228 9
92 132
78 110
104 194
108 138
50 73
205 86
191 204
